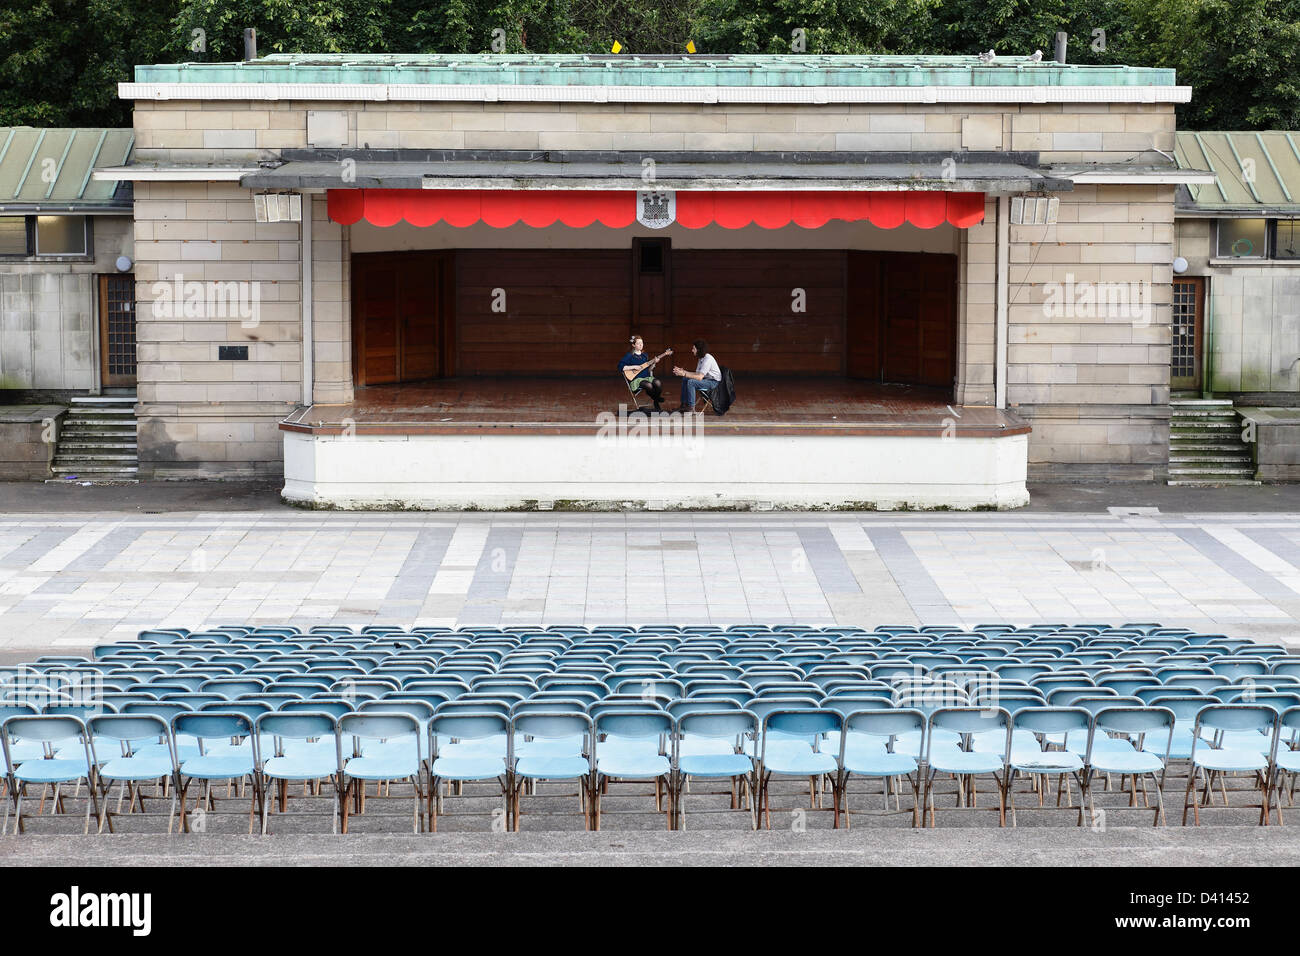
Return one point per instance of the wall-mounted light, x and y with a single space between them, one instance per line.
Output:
123 263
1034 210
1180 265
277 207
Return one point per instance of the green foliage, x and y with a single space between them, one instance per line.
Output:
61 60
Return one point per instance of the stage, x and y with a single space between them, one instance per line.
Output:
514 443
765 405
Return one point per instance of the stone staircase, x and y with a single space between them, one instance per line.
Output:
1205 444
97 441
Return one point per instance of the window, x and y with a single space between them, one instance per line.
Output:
1243 238
1287 240
13 236
30 236
60 235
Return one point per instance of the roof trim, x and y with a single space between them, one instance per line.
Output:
485 93
1167 178
172 174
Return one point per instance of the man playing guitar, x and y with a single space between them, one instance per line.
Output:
638 369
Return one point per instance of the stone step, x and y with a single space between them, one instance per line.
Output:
86 461
1200 402
95 470
121 446
1200 483
1241 460
1178 414
104 400
1211 446
1202 470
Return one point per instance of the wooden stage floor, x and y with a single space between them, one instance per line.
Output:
764 405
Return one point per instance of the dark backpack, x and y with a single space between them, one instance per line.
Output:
724 393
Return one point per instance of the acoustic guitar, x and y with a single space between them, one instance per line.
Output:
632 371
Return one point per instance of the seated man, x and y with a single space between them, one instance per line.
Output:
644 380
705 378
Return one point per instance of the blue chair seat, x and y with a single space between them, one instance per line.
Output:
470 767
958 761
716 765
301 766
706 746
1230 760
1132 761
552 766
798 763
136 768
865 763
1046 761
218 766
631 766
1288 760
58 770
548 746
390 765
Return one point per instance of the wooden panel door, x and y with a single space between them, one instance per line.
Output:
920 318
399 309
1185 334
762 310
651 282
862 325
117 330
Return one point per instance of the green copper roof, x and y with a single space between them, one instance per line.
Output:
1251 170
52 167
624 70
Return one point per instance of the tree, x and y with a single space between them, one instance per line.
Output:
61 60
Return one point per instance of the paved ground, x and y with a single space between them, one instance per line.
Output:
82 565
71 578
1208 847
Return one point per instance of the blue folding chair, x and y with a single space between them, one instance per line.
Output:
483 742
787 748
573 760
869 748
629 746
400 758
215 757
136 762
713 741
282 765
1030 729
964 761
69 764
1245 742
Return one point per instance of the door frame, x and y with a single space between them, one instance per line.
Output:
106 378
1198 284
442 260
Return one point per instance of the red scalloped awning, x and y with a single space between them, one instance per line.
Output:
695 209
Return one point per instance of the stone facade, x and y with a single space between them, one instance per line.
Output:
49 337
1093 380
1252 315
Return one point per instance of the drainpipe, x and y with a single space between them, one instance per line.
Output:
1003 278
307 342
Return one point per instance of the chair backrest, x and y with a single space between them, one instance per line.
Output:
551 725
46 729
1237 717
1136 721
1052 720
470 726
971 720
800 722
296 726
212 726
127 727
884 723
634 724
717 723
381 726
